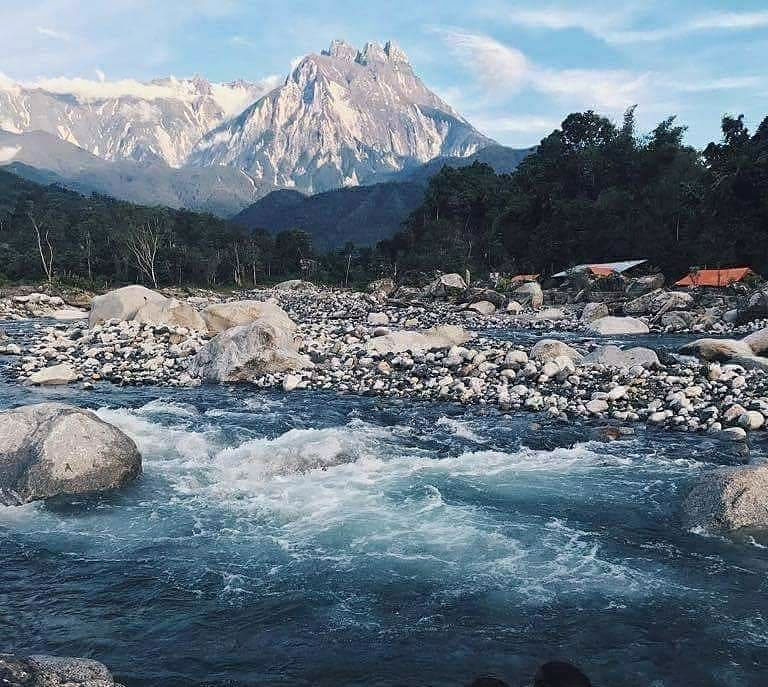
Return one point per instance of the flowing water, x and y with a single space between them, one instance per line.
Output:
316 539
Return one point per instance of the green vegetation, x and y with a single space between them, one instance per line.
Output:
592 191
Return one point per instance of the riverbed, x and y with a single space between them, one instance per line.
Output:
318 539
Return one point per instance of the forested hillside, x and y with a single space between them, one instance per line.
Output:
593 192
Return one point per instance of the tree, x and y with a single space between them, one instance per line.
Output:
44 245
143 242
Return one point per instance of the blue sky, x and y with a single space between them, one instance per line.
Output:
514 69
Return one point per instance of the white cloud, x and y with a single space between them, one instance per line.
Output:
7 153
614 26
53 33
498 65
241 41
519 124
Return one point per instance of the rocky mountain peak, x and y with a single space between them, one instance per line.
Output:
342 50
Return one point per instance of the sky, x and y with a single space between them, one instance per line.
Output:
514 69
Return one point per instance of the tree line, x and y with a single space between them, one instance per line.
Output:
594 191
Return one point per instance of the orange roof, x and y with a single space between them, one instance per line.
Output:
525 277
715 277
601 271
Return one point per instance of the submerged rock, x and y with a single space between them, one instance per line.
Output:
50 449
53 671
729 499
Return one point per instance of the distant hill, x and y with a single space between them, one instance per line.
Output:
363 214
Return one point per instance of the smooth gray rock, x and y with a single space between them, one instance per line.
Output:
758 341
53 376
618 325
222 316
728 499
424 340
53 671
170 312
717 349
121 304
482 307
50 449
613 356
248 351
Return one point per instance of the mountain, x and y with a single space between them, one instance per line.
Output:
340 118
158 121
46 159
363 215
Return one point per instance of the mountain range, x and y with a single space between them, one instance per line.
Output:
341 119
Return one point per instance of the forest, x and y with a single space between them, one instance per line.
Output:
592 191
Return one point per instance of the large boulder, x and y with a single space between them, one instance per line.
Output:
550 314
750 362
475 295
121 304
618 325
248 351
594 311
53 671
656 301
482 307
222 316
53 375
446 286
758 341
728 498
530 294
172 313
51 449
613 356
426 340
294 285
717 349
545 350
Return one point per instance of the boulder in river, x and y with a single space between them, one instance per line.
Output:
728 498
425 340
53 375
222 316
618 325
170 312
248 351
613 356
121 304
50 449
53 671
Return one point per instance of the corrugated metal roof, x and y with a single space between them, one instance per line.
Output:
715 277
601 268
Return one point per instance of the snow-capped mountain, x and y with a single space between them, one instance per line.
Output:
159 121
340 118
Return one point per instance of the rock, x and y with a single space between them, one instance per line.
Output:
376 319
552 314
53 671
530 293
68 314
121 304
597 406
294 285
446 286
677 319
752 420
248 351
475 295
750 362
549 349
172 313
426 340
514 307
222 316
618 325
642 285
613 356
290 382
617 393
757 341
54 375
384 287
655 301
728 499
594 311
716 349
482 307
51 449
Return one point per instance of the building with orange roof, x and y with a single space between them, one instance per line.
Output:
715 278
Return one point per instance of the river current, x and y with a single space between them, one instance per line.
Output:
318 539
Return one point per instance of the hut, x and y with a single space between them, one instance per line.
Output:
719 278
